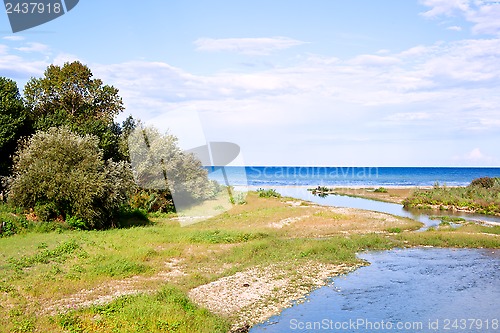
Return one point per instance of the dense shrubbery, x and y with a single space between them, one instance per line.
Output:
59 173
73 164
485 182
166 174
481 196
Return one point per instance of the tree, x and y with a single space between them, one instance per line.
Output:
13 122
60 173
159 164
69 95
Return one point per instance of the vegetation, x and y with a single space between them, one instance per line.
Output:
13 123
270 193
481 196
129 262
63 158
75 170
380 190
168 179
70 96
59 173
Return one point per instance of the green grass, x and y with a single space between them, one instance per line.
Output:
38 268
476 198
270 193
168 310
380 190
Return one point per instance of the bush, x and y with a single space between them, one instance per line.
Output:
380 190
76 223
270 193
152 200
486 182
59 173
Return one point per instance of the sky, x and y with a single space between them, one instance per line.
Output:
318 82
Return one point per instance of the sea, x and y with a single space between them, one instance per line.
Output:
269 176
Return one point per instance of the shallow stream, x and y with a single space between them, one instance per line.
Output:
379 206
411 290
402 290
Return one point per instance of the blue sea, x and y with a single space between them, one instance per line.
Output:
268 176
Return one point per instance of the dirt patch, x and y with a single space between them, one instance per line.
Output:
284 222
256 294
111 290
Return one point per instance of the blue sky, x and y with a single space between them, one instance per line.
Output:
320 82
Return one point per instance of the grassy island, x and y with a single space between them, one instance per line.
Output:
481 196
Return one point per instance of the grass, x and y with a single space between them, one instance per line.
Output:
41 269
168 310
392 195
475 198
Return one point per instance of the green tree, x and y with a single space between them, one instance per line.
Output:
158 164
13 122
61 173
69 95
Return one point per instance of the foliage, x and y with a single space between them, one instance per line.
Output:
270 193
61 173
165 172
152 200
238 198
380 190
13 122
173 312
486 182
70 96
481 196
221 237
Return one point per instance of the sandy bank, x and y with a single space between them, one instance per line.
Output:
256 294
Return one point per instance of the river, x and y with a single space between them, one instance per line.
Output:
411 290
402 290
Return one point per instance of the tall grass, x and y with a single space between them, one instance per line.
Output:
479 197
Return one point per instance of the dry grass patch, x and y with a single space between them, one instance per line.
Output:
394 195
329 221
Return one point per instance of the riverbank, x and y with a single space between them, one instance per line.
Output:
163 275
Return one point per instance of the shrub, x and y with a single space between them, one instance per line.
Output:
77 223
165 173
270 193
61 173
380 190
486 182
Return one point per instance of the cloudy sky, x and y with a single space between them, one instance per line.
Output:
319 82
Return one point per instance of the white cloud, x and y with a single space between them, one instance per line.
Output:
435 92
34 47
475 154
483 14
445 7
476 157
375 60
248 46
409 116
14 38
454 28
486 19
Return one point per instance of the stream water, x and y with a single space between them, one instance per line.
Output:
402 290
379 206
411 290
